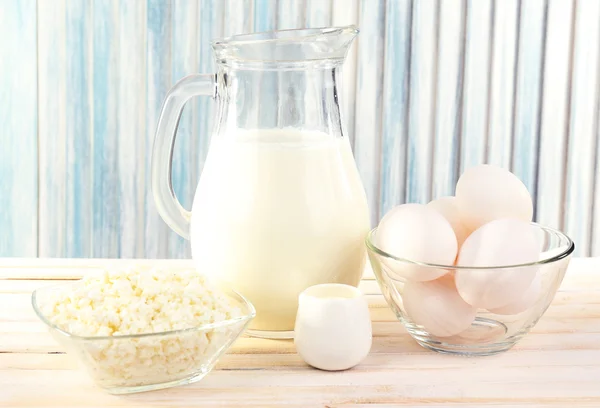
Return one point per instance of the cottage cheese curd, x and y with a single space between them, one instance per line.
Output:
139 301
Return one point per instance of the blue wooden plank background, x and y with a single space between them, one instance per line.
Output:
430 87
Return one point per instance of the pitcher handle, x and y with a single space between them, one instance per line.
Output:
169 208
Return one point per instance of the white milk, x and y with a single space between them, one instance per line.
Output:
278 211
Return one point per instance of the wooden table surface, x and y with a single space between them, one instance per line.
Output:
557 364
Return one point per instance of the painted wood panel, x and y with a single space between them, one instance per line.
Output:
265 19
52 121
318 13
184 61
132 126
583 134
529 77
290 14
209 28
430 87
65 158
448 97
345 12
476 83
158 81
18 138
422 100
503 67
396 91
237 18
595 238
555 114
106 216
78 133
367 125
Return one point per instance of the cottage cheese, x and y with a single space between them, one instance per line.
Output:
139 301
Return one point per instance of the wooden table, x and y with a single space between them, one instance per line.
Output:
557 364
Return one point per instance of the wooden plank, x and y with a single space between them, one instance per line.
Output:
583 126
502 87
209 13
595 249
529 93
449 84
345 12
555 114
14 286
265 19
52 161
158 81
18 115
184 62
379 362
555 364
318 13
106 204
227 389
132 127
595 238
396 93
532 376
290 14
265 15
581 308
79 145
422 101
368 287
55 268
478 34
367 125
237 17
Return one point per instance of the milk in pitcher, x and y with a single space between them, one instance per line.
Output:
277 211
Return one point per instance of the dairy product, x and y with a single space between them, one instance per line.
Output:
139 301
136 301
275 212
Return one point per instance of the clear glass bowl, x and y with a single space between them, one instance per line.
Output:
143 362
489 333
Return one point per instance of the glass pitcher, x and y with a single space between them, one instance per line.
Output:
279 205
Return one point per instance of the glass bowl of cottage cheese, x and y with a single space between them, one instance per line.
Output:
142 328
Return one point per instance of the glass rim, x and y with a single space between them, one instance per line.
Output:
371 246
248 315
303 34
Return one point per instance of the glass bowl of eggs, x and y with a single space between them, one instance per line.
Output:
469 274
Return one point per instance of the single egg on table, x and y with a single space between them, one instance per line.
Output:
500 242
448 207
418 233
437 306
486 193
527 299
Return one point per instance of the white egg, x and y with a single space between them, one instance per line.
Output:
437 306
501 242
485 193
527 299
448 207
417 233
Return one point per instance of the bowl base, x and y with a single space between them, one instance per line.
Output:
271 334
485 337
153 387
